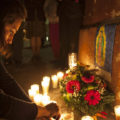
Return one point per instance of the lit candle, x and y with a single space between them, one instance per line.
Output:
67 71
67 116
72 60
117 112
60 75
45 87
31 93
45 99
35 87
87 118
47 79
38 99
54 81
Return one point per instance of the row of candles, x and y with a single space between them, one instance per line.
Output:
43 99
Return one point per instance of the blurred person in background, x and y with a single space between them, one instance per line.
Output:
50 8
35 25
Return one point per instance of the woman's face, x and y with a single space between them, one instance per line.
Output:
10 30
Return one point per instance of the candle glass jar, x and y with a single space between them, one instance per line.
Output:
72 60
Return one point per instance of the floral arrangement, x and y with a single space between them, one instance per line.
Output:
85 90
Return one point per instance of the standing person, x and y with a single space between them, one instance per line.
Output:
14 103
70 14
36 25
50 9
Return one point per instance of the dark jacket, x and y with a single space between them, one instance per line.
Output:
14 103
35 7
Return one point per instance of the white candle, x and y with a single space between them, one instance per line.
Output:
45 99
87 118
38 99
60 75
54 81
47 79
117 112
35 87
31 93
45 87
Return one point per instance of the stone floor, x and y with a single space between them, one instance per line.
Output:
30 73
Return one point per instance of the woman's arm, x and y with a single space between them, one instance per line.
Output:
15 109
10 86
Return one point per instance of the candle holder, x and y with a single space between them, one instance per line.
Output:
72 60
117 112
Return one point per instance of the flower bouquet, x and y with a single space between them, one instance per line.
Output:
85 91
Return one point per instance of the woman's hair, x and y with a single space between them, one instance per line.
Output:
10 10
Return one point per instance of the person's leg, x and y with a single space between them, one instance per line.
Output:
38 46
33 46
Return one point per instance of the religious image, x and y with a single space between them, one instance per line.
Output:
104 46
100 47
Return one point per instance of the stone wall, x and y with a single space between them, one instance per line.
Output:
101 10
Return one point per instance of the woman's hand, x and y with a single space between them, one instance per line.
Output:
42 113
54 110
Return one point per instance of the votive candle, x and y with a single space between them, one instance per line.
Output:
60 75
72 60
35 87
87 118
31 93
47 79
117 112
38 99
67 116
54 81
45 87
45 99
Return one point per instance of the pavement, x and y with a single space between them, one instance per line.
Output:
30 72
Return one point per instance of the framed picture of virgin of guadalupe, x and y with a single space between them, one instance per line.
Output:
104 46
